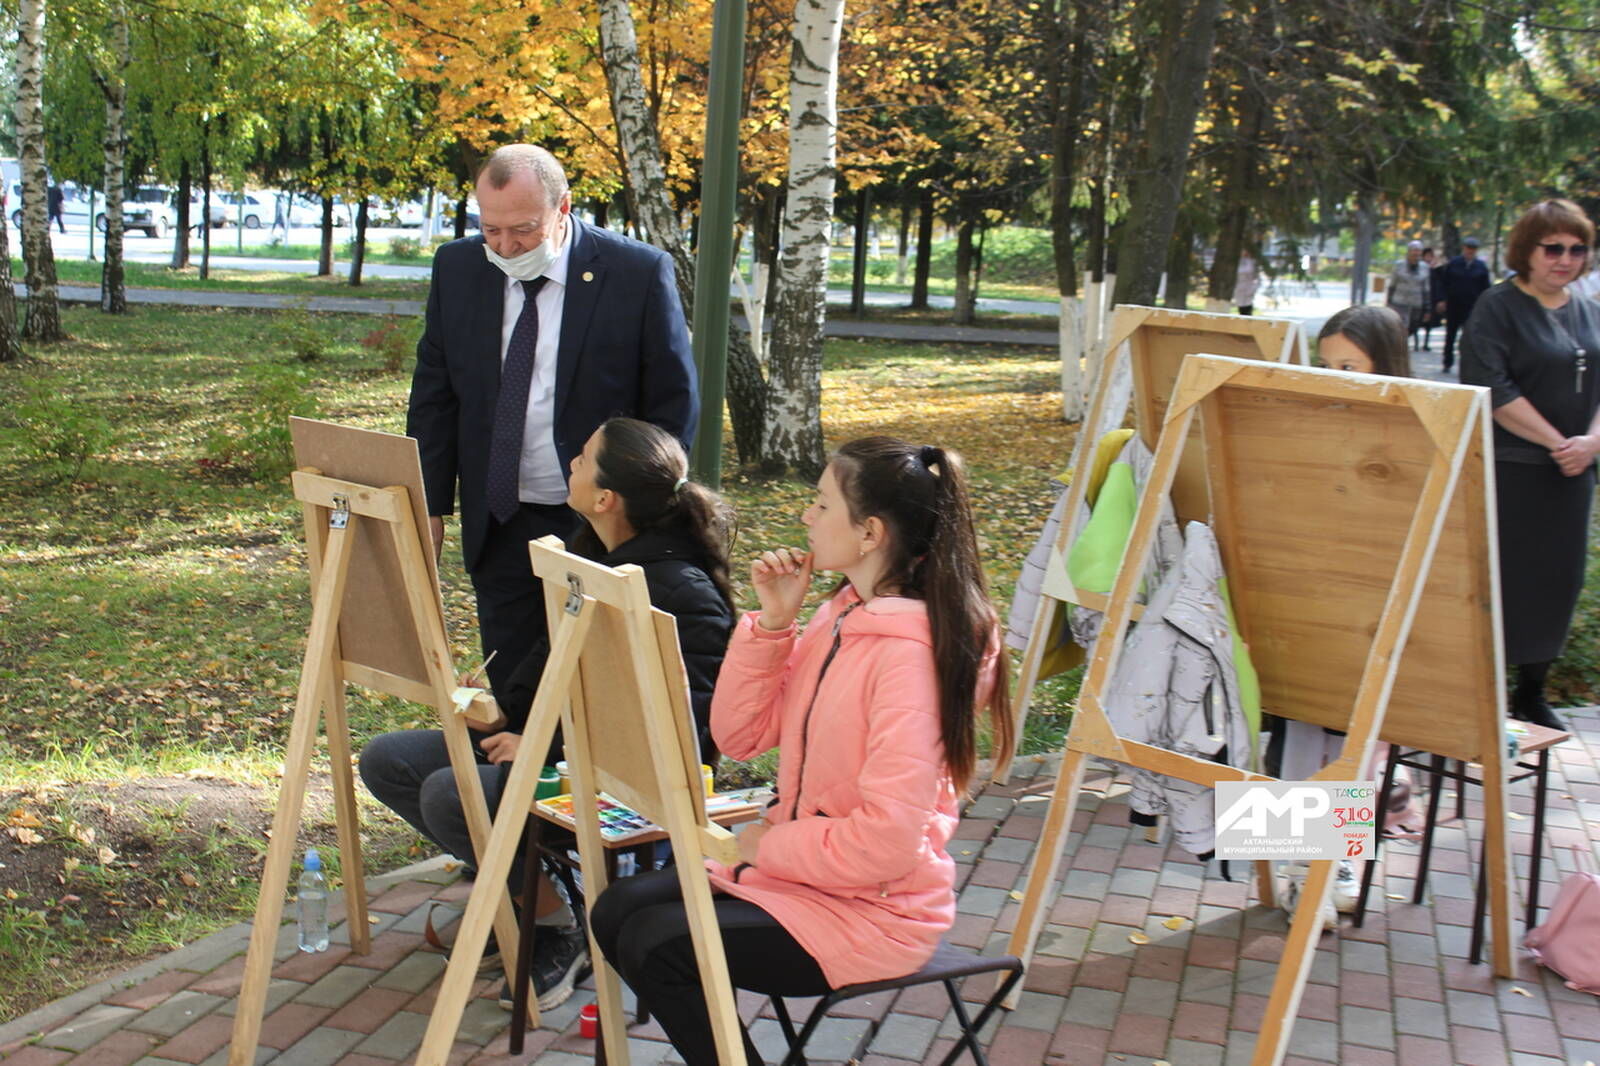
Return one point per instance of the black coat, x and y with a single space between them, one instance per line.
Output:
679 586
1460 284
624 350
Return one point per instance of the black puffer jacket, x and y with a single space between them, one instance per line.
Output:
678 586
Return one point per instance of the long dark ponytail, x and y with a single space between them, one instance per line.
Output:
647 467
920 494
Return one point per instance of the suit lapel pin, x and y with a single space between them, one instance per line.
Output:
588 275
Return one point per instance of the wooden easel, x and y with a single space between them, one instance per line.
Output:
1149 344
615 682
376 621
1394 628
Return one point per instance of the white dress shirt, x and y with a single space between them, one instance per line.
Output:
539 477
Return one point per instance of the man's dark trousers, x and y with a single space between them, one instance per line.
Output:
510 602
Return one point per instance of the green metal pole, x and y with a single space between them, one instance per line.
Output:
719 190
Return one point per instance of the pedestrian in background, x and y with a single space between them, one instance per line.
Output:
1409 287
1461 282
1246 283
54 200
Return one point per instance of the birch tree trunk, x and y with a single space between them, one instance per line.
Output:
43 320
114 87
640 140
794 396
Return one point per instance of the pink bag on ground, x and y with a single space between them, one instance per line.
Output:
1569 940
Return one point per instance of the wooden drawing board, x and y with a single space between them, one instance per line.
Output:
376 621
1150 344
1335 497
615 682
376 631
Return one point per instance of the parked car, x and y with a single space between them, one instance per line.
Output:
307 211
252 210
149 207
219 209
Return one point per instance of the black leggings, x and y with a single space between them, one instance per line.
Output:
642 928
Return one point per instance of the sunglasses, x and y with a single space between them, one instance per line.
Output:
1556 251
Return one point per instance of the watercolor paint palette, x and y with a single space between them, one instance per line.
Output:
618 823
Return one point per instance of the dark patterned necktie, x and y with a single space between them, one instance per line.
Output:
511 409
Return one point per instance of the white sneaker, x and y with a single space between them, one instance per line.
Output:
1346 887
1289 888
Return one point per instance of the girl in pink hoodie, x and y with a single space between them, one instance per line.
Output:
873 709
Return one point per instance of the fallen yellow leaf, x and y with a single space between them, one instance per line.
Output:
1016 895
1520 991
24 819
1138 938
1175 922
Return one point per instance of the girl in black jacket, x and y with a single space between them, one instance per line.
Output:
630 485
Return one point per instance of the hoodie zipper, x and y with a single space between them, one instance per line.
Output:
805 724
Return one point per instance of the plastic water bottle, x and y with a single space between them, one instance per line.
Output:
313 904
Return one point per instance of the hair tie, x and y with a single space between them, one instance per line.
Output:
681 482
929 456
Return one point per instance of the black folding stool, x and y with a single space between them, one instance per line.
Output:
948 965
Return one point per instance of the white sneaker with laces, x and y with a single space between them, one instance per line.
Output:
1346 887
1291 884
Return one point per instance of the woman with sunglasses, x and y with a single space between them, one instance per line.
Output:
1537 348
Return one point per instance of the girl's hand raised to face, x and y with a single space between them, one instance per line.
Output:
781 578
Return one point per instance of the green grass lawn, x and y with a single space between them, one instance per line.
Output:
153 601
377 250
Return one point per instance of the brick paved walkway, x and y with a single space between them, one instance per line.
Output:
1399 990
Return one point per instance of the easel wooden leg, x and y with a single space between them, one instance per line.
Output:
498 848
1032 662
1293 968
1046 857
419 583
348 819
314 684
1497 855
594 860
1266 884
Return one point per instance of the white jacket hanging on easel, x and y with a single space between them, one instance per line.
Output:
1177 687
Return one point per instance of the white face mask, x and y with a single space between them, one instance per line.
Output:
529 264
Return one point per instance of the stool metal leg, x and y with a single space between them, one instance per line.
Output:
1541 791
1435 793
797 1044
969 1035
1480 906
972 1029
1461 790
1383 811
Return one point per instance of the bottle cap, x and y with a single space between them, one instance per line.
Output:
313 860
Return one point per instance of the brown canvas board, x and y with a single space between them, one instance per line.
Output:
375 626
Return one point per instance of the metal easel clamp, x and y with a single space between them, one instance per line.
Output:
339 517
574 603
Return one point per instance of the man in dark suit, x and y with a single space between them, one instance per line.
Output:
587 324
1465 278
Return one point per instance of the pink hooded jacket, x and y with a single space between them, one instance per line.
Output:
855 866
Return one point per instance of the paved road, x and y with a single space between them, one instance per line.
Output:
369 306
1295 303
